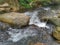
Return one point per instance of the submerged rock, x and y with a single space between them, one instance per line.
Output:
15 18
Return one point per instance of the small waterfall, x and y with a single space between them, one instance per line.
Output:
34 19
18 34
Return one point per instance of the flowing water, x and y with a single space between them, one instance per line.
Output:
37 31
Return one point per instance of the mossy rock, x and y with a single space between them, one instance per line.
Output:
56 33
55 21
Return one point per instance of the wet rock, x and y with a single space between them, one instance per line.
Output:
3 36
4 26
51 16
15 18
54 20
56 33
45 13
34 20
50 28
28 35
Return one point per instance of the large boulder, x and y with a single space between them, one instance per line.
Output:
15 18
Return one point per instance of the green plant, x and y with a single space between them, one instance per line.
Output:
25 3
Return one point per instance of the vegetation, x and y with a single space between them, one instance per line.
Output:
2 1
25 3
28 4
32 3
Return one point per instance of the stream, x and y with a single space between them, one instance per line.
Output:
37 31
